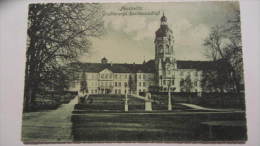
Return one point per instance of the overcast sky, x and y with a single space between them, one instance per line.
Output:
130 39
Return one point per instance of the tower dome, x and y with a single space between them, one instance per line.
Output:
164 30
163 18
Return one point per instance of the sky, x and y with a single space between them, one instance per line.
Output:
130 38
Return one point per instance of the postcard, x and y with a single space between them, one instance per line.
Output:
140 72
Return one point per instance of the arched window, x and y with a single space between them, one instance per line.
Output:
167 49
160 48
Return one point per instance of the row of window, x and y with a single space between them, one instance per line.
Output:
167 82
119 91
189 73
117 84
140 76
145 76
104 83
110 76
144 84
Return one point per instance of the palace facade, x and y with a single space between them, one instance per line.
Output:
162 74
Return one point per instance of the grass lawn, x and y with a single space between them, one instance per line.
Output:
155 127
103 120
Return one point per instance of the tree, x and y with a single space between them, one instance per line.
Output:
130 84
186 85
217 79
57 34
224 44
83 83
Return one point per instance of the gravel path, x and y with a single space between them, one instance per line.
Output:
48 126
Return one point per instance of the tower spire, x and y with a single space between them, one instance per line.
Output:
163 19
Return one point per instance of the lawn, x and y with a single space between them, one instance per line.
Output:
155 127
103 120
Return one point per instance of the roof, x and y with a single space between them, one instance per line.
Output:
148 67
201 65
163 31
117 68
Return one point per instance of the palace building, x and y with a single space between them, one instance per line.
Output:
162 74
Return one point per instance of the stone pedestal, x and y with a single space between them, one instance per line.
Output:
126 107
126 103
148 106
169 101
148 102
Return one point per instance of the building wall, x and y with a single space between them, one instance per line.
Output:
118 83
144 80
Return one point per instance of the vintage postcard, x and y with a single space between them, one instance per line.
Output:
134 72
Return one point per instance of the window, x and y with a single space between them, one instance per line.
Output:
73 84
115 83
102 76
196 73
115 76
110 76
140 76
125 76
164 82
167 49
125 84
144 77
144 84
173 82
195 83
119 91
115 91
182 82
168 72
106 76
140 83
119 84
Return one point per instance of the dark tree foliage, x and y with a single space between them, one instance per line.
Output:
186 84
224 44
83 83
57 34
131 84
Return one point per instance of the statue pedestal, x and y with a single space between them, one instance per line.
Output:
148 106
126 107
169 101
148 102
126 103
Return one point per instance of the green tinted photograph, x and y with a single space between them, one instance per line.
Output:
150 72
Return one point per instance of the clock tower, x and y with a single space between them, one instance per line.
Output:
165 62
